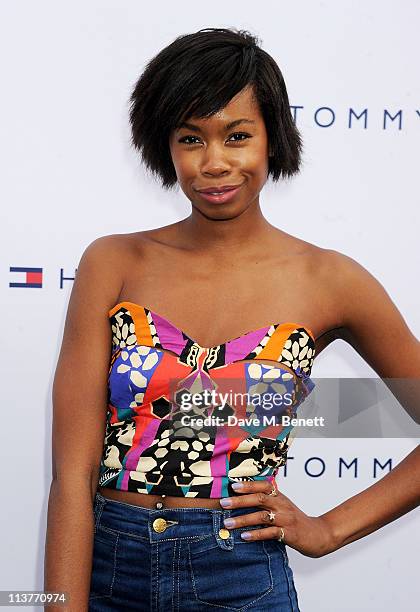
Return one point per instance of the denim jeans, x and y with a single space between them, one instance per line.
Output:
183 559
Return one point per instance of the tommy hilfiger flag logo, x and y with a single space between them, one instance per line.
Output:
31 277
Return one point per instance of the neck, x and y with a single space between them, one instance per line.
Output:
210 234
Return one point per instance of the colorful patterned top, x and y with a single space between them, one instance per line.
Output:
150 446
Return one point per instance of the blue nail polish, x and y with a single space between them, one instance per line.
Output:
237 486
229 523
225 502
246 535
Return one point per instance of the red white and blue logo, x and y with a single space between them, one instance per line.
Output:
31 277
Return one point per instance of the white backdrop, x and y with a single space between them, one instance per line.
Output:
67 69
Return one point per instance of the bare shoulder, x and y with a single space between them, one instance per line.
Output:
106 259
330 263
316 258
370 318
111 247
332 280
137 243
337 263
348 283
339 272
321 268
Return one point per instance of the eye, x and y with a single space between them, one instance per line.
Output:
184 139
243 134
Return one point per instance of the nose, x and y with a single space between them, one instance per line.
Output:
215 160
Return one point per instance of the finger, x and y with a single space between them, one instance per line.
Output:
244 520
247 501
254 486
267 533
252 518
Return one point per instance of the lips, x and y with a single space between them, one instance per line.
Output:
220 197
218 189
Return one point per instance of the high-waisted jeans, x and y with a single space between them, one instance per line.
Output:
184 561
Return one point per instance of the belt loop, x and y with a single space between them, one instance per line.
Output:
98 506
226 543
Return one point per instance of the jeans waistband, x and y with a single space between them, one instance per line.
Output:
168 523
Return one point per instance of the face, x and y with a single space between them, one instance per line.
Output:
228 149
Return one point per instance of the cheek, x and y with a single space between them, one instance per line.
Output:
179 161
185 165
255 163
255 156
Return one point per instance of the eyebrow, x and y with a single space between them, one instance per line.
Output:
228 126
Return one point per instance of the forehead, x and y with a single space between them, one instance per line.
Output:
243 105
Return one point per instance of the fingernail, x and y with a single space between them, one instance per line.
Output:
225 502
229 523
246 535
237 486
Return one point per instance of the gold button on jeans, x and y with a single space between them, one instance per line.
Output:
224 534
159 525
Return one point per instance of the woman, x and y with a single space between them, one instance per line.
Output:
186 514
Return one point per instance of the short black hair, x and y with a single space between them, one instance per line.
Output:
196 76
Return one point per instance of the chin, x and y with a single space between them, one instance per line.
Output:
220 211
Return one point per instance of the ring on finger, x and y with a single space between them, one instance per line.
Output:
271 516
281 538
273 492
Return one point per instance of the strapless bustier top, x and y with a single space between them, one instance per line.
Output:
173 424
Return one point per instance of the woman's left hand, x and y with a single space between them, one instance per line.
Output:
310 535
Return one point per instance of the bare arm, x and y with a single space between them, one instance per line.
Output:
372 324
79 408
375 328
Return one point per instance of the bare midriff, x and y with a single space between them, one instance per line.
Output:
151 501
